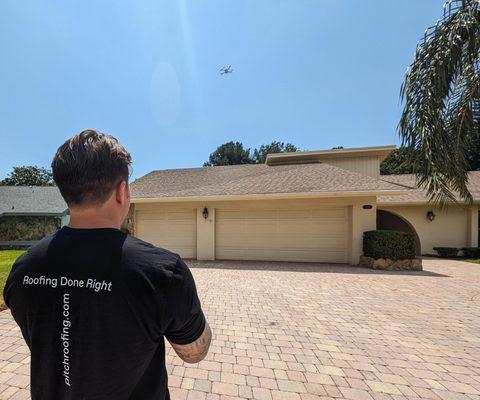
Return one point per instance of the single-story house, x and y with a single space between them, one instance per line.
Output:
28 213
302 206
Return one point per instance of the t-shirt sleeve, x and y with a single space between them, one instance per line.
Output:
187 321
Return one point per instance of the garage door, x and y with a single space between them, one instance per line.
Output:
282 235
172 229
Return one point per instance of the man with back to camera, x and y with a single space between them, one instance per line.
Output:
93 303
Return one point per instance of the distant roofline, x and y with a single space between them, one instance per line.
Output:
28 186
28 205
317 155
34 214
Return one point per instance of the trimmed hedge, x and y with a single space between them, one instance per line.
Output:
389 244
27 227
447 251
16 246
471 252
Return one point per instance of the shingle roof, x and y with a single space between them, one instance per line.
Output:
256 179
419 195
31 200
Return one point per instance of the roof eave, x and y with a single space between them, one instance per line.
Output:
269 196
420 203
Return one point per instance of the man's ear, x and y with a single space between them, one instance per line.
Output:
122 192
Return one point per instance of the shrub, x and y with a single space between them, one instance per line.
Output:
471 252
26 227
389 244
446 251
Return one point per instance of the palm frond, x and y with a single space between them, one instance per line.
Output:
441 96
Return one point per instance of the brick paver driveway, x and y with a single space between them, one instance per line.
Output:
302 331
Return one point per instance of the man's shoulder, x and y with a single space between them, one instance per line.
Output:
36 253
140 255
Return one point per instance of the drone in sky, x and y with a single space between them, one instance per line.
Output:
226 70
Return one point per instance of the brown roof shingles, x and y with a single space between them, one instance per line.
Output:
256 179
419 195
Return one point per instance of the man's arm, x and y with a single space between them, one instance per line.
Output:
196 351
188 332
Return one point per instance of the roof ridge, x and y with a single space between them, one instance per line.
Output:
363 176
206 167
399 183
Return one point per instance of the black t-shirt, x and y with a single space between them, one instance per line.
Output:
93 306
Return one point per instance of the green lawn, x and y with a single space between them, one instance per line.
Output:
475 260
7 258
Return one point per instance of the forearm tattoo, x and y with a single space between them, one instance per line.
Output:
196 351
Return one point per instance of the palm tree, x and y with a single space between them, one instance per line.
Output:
441 97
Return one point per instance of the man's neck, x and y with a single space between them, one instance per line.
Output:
84 219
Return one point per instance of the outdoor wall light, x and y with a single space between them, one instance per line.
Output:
205 213
367 206
431 216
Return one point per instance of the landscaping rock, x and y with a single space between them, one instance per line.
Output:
380 263
414 264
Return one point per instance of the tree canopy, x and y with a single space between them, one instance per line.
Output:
230 153
397 162
440 122
400 162
233 153
28 175
260 154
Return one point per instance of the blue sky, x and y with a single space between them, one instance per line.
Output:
315 73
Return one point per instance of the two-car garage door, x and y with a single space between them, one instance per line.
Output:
282 235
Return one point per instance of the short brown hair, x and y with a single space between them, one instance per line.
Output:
87 167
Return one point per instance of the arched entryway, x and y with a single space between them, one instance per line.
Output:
390 221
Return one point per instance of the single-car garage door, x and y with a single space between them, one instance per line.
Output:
172 229
315 234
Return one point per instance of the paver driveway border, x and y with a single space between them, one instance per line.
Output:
316 331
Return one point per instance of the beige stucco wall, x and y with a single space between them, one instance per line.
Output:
205 234
455 227
364 165
359 219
